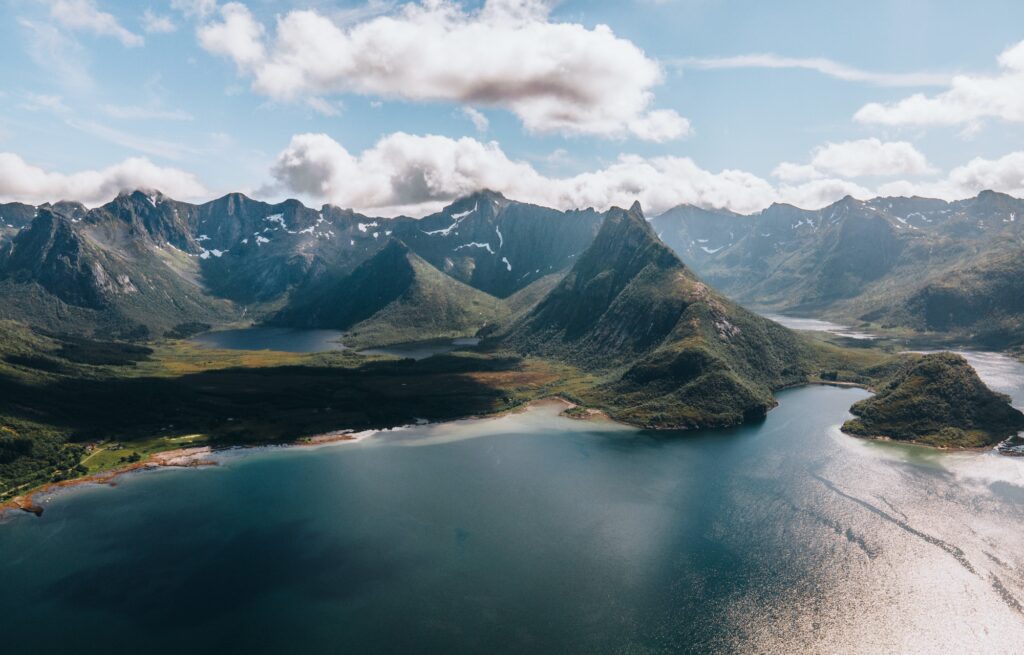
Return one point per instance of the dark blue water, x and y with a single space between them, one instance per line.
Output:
534 533
269 338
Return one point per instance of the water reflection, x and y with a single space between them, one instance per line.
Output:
533 532
271 338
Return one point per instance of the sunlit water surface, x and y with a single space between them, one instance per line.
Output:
535 533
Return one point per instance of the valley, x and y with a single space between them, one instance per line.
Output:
910 267
145 322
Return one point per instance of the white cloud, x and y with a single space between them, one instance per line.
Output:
817 64
479 121
863 158
85 15
238 36
660 125
23 182
416 175
195 8
969 99
1005 174
411 174
556 77
156 23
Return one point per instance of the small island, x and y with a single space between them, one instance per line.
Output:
937 400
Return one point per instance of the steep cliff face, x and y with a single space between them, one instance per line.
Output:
56 257
16 215
77 277
497 245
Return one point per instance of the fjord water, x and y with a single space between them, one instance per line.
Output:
535 533
269 338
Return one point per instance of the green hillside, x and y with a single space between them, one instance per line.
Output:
938 400
393 297
673 352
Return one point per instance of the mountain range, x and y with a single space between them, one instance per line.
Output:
147 265
907 263
144 264
672 351
591 306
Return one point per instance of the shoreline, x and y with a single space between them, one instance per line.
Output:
177 458
881 438
195 457
200 456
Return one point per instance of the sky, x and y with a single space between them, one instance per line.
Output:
395 107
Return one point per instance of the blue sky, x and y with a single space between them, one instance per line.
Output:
85 88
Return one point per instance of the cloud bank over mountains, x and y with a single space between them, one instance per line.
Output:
418 174
555 77
405 173
24 182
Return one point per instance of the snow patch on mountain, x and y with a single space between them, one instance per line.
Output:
277 218
474 244
462 215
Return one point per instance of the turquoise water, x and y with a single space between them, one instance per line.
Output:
269 338
534 533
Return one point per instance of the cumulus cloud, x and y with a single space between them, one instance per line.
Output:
862 158
416 175
86 16
556 77
238 36
24 182
969 99
1005 174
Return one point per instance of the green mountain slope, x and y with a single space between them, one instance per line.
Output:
393 297
938 400
671 350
